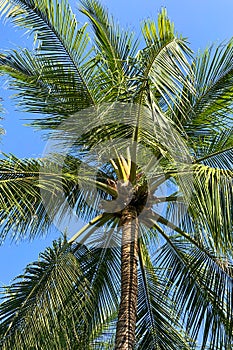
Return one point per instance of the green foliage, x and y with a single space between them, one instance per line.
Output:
69 298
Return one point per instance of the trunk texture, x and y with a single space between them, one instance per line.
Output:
125 332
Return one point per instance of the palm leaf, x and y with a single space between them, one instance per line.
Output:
201 287
216 151
157 326
211 205
42 303
162 63
209 108
36 193
60 63
41 88
214 84
75 288
114 48
21 204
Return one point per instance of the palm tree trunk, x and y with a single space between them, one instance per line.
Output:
125 332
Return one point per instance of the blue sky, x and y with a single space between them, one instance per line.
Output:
202 21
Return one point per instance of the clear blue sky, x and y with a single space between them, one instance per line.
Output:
202 21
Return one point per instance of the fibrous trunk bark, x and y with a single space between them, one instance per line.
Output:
126 324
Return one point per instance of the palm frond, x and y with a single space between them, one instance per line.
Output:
211 206
115 44
47 306
22 209
60 61
174 130
214 75
205 210
157 326
216 151
75 288
36 193
41 88
201 288
210 108
115 48
163 64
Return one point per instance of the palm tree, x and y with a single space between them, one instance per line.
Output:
136 275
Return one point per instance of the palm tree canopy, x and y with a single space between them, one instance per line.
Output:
173 134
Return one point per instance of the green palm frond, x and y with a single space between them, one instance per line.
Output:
51 292
54 27
101 268
201 288
203 205
211 206
158 327
216 151
174 134
115 44
60 63
210 108
115 48
34 193
41 88
74 286
214 76
22 209
163 63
